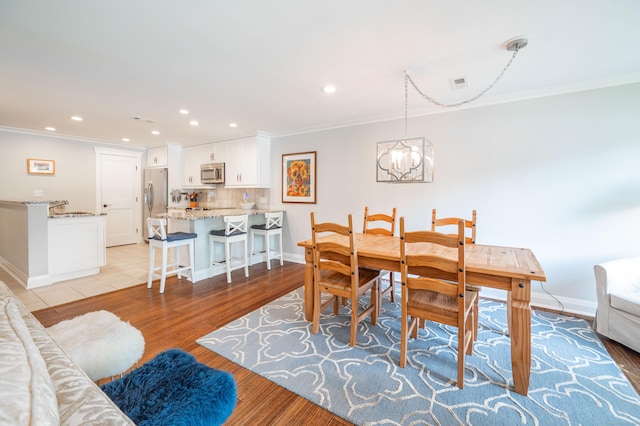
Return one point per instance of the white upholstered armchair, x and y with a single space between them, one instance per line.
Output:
618 291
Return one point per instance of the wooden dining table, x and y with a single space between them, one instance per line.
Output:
505 268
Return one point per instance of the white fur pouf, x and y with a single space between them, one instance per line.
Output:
100 343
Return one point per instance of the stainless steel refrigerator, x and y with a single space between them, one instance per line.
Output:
155 195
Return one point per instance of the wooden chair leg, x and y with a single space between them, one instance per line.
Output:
354 321
476 317
375 302
461 353
404 338
316 309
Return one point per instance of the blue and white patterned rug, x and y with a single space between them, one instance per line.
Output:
574 381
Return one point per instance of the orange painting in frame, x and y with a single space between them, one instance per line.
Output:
299 177
41 167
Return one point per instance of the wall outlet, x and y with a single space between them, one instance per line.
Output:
38 193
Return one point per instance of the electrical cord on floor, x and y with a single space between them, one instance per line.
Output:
552 296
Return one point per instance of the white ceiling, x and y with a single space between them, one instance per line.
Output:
261 63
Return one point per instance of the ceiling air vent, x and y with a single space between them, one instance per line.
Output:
144 120
459 83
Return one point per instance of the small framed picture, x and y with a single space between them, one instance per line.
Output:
41 167
299 177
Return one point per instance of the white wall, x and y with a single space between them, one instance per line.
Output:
558 175
75 169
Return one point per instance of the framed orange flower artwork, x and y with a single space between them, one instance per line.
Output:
299 177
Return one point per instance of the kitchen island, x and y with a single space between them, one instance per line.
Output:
203 221
41 243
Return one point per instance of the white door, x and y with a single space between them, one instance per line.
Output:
118 178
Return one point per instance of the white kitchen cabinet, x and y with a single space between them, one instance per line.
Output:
193 157
213 153
76 246
191 161
158 157
247 163
174 166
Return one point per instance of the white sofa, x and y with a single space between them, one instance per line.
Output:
39 384
618 292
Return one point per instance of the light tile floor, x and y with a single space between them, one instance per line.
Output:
126 266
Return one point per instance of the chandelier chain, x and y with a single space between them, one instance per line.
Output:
408 79
406 106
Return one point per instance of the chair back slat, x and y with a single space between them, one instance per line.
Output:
332 255
432 284
157 228
422 261
449 223
236 224
388 221
273 220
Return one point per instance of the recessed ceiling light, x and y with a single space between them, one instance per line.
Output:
233 124
184 111
126 140
329 88
51 129
194 123
155 132
76 118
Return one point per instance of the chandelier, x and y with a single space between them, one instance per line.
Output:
411 159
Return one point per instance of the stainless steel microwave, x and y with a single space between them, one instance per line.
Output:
212 173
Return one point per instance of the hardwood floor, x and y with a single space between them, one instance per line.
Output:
186 312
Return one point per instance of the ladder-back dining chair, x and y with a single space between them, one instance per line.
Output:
271 228
434 289
336 271
235 231
160 239
381 224
449 224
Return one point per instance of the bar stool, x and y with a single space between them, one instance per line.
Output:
159 238
272 227
235 231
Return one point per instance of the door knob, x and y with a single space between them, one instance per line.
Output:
106 205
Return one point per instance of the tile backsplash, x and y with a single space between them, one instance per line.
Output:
222 198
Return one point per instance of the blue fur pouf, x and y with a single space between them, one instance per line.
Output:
174 389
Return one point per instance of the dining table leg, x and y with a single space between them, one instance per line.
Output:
308 284
521 334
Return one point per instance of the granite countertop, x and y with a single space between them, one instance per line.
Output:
213 213
26 203
74 214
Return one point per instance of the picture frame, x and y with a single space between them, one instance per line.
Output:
41 167
299 177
